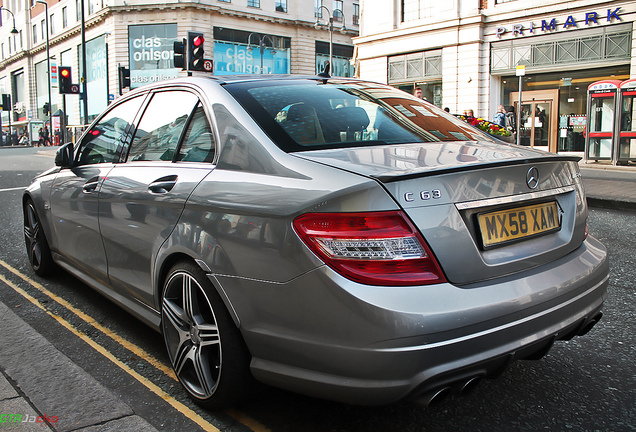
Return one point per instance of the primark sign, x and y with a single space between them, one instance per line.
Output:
549 26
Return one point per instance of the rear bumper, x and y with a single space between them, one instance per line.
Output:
342 341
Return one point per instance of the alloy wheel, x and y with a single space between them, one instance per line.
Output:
192 335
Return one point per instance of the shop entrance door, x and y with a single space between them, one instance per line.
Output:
539 115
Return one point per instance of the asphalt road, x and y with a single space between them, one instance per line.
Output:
587 384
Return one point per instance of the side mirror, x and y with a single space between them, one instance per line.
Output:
64 156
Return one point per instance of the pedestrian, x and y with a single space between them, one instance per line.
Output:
418 93
510 120
45 136
500 117
40 137
447 109
24 139
469 113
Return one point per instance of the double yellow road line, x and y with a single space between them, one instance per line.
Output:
138 351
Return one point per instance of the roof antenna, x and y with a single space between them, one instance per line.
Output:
325 73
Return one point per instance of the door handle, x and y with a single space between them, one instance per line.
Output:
163 185
91 185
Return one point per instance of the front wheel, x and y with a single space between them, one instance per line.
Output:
37 247
205 348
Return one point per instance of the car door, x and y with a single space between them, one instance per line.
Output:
74 196
146 195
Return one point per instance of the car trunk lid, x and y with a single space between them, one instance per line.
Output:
486 210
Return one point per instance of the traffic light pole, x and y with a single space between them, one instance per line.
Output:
48 64
84 80
63 120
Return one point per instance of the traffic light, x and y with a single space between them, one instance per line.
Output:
124 78
46 108
6 102
195 51
179 54
65 79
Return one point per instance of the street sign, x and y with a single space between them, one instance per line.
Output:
74 88
521 70
207 65
53 74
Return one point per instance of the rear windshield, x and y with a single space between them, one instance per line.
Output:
302 115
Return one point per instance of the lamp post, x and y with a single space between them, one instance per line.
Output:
13 31
261 44
48 63
343 29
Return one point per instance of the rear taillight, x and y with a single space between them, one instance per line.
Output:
376 248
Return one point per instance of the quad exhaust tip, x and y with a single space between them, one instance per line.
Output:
436 396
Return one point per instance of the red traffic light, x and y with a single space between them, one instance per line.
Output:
65 73
198 41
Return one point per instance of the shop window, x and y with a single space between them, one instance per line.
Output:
342 55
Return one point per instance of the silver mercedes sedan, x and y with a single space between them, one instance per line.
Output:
333 237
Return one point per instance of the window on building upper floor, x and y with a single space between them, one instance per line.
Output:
43 29
337 10
317 8
52 24
281 5
35 34
254 3
2 48
78 10
64 17
356 14
225 1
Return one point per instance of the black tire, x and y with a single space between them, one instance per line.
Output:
205 347
37 246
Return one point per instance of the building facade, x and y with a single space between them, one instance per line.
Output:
464 55
241 36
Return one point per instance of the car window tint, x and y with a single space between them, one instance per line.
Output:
161 125
106 139
198 144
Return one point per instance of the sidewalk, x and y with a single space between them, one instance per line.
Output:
42 389
608 186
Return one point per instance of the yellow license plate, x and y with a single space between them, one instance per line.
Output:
518 223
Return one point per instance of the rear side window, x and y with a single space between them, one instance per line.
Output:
161 126
105 141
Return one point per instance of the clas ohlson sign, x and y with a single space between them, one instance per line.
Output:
150 53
